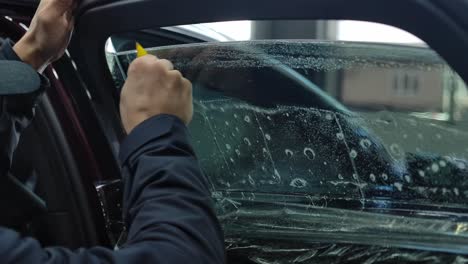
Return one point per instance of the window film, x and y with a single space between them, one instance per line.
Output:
313 141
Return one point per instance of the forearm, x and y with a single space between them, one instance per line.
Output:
167 207
167 199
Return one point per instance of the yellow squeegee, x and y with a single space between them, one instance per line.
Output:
140 50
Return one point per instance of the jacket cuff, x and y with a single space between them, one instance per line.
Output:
8 53
150 130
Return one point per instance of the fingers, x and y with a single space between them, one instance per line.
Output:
65 4
166 64
60 7
187 83
153 87
151 63
69 16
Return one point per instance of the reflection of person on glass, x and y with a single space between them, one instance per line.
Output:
167 205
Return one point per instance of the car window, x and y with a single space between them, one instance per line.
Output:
329 140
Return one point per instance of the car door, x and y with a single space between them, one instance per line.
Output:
54 198
369 166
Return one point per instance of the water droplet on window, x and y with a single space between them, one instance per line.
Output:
399 186
263 168
435 167
353 154
340 136
236 116
405 136
355 176
265 151
384 176
247 119
461 165
421 190
407 178
396 150
269 118
420 136
372 177
328 117
287 114
456 191
438 136
277 175
289 152
309 153
442 163
237 129
251 180
232 134
421 173
340 177
222 109
365 143
238 152
231 159
247 141
325 163
298 183
445 191
228 147
226 123
267 136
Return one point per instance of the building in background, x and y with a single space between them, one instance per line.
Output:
433 94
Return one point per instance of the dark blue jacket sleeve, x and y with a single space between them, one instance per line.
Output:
167 207
20 88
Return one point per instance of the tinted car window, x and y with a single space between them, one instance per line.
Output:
329 141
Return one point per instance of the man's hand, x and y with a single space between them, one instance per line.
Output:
48 34
153 87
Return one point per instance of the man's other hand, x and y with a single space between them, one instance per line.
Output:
49 33
153 87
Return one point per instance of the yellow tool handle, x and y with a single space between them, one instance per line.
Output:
140 50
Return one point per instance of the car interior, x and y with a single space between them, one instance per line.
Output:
41 161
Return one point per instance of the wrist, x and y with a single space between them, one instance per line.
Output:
29 53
